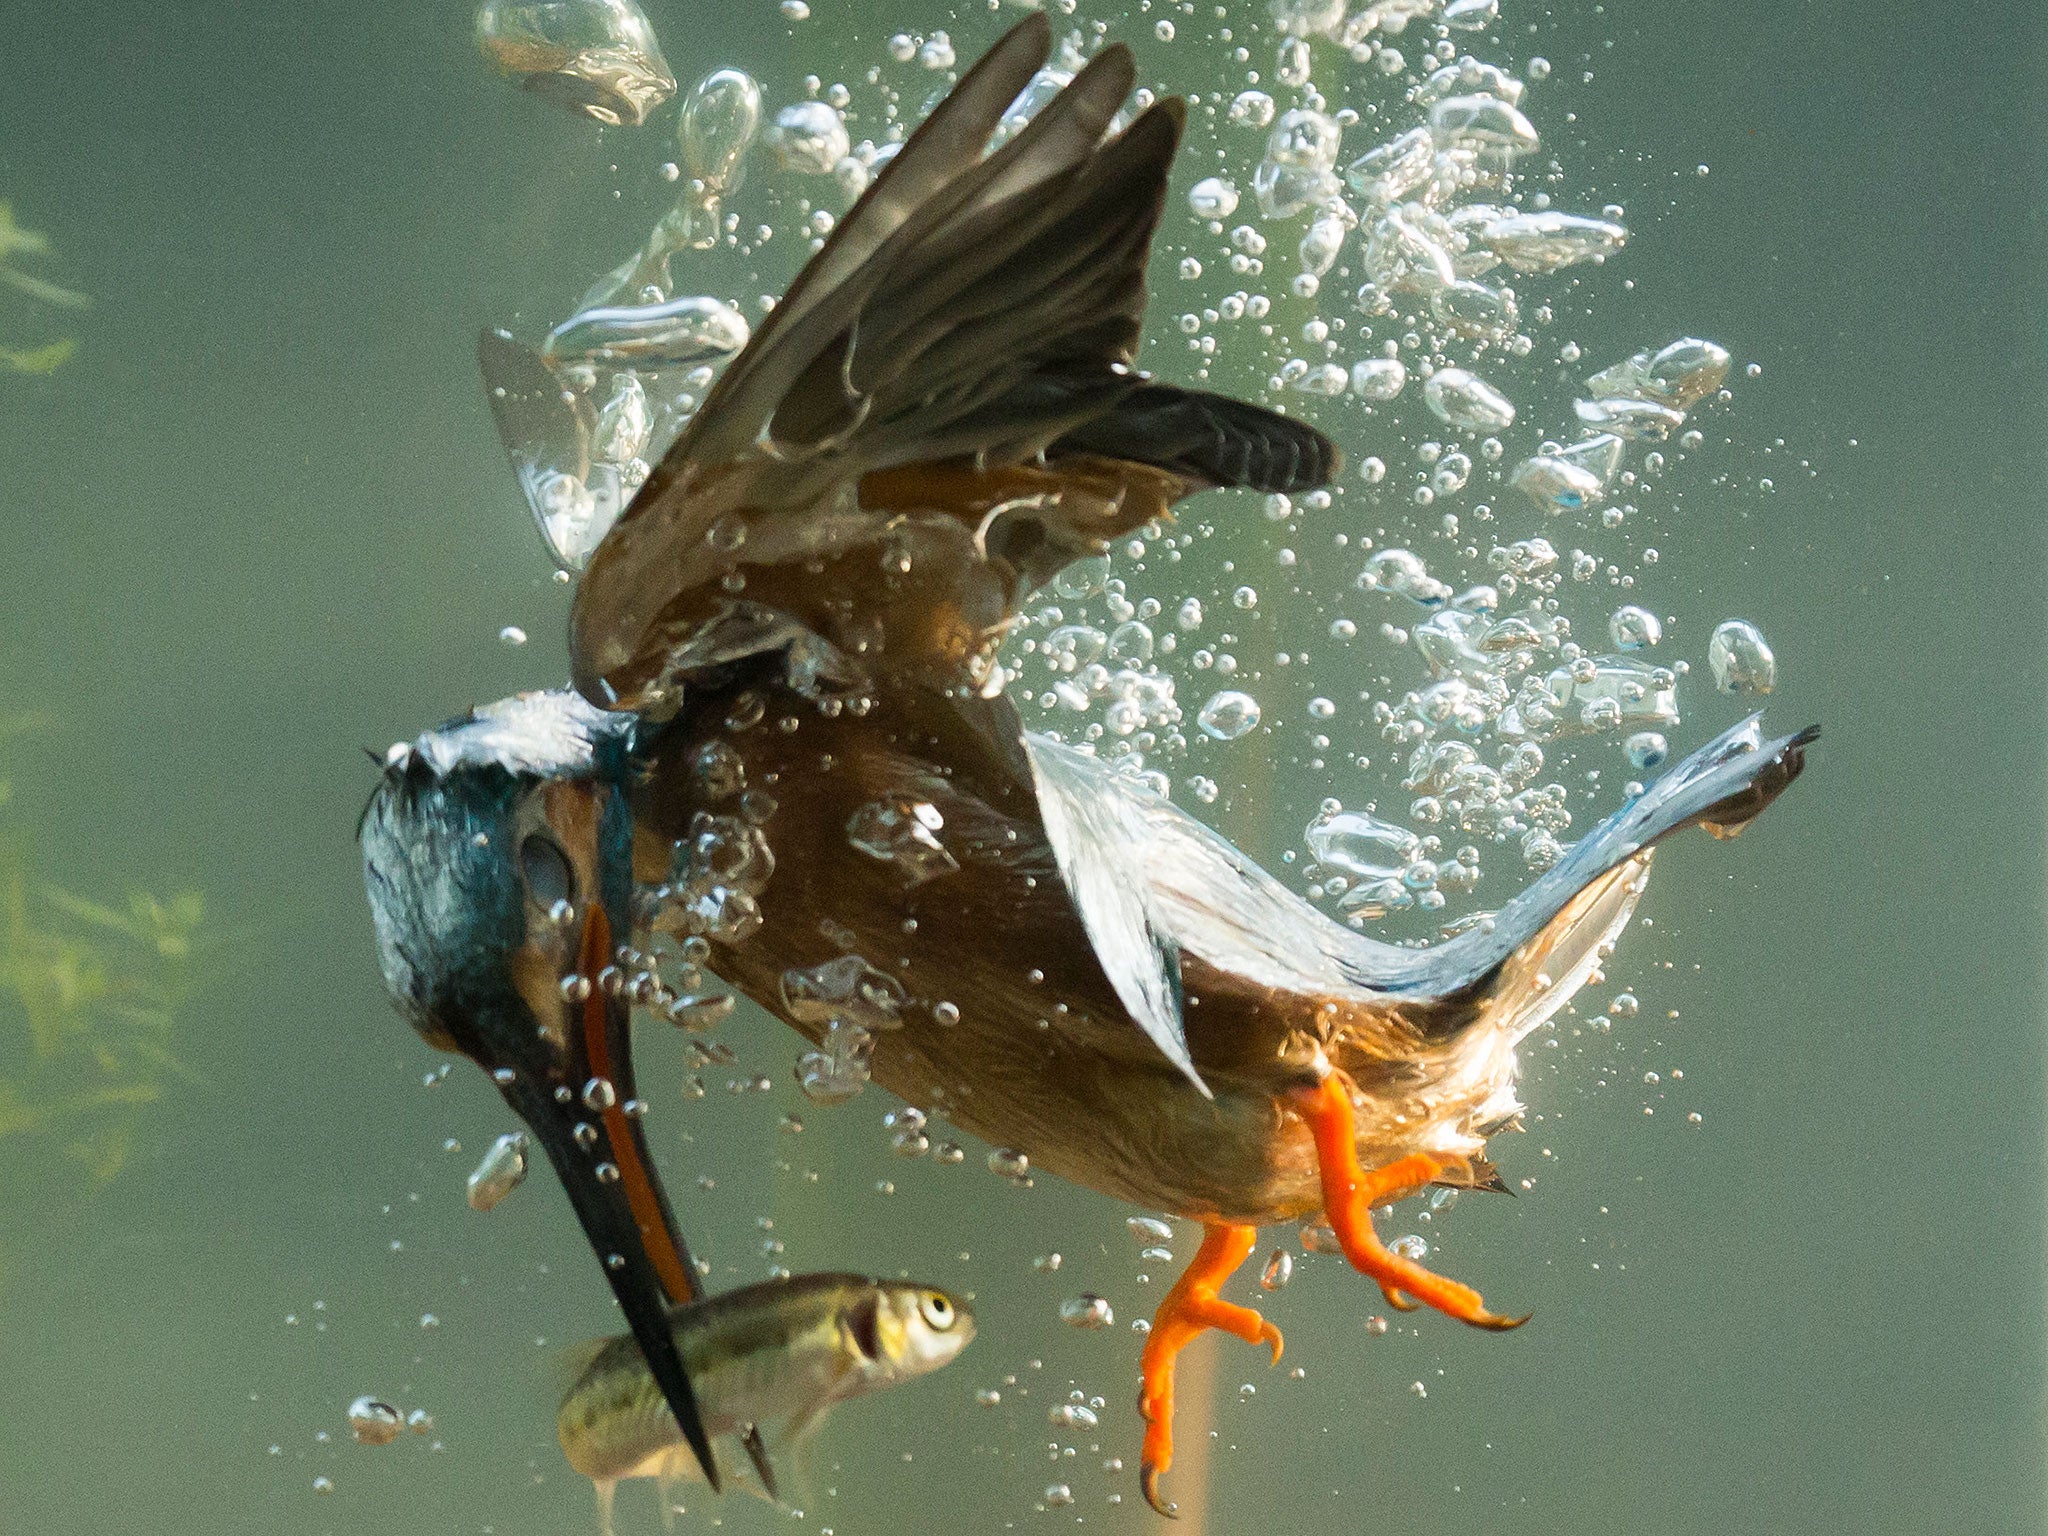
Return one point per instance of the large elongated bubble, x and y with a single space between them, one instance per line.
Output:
596 57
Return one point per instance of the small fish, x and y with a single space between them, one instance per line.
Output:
764 1359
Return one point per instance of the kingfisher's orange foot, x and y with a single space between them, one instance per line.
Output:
1191 1306
1349 1194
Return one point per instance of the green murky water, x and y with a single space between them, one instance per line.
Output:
259 520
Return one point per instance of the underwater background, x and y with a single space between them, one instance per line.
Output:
259 521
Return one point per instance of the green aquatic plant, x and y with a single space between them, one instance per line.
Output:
14 241
90 995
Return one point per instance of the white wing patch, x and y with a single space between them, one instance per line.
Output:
549 734
1097 825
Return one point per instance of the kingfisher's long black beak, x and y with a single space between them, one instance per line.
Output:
586 1115
497 855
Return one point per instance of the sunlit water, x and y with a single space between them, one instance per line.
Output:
1780 1212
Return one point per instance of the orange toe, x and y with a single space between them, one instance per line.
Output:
1349 1194
1189 1308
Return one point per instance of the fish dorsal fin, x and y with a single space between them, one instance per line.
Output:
565 1365
1097 828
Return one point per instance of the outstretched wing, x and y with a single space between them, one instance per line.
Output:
1153 883
970 314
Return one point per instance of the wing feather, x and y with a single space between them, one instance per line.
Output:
1092 819
972 308
833 283
1152 883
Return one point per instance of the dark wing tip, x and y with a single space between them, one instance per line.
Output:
1168 118
1790 753
1320 462
1728 816
1212 439
1153 137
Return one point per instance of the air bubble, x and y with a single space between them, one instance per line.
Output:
1087 1311
1228 715
1741 660
374 1422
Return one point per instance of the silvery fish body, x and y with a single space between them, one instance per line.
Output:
774 1356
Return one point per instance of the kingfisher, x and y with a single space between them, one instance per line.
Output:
787 745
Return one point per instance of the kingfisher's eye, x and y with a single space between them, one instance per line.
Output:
937 1310
545 867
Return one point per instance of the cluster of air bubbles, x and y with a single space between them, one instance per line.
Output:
1101 683
1643 399
1372 867
1504 683
1444 231
1504 686
843 1004
711 892
1427 216
716 877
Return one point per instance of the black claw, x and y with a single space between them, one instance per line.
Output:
1500 1324
1148 1480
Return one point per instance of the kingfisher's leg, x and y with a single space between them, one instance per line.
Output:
1191 1306
1349 1194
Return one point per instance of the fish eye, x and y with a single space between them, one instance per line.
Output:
546 870
937 1310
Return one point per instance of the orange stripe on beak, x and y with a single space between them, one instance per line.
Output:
676 1279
